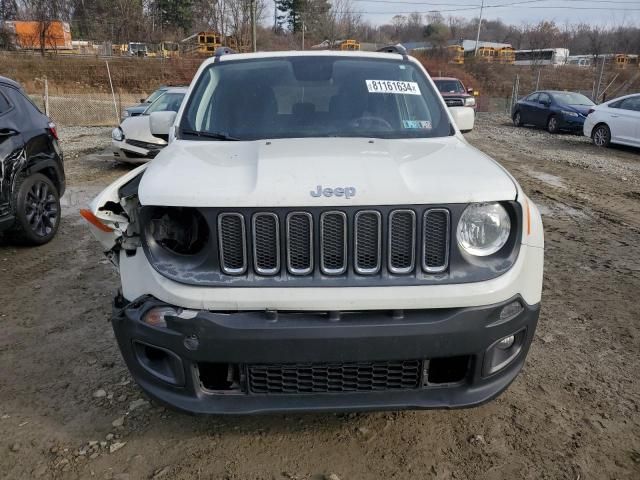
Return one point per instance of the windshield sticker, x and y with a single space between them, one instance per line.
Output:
422 124
393 86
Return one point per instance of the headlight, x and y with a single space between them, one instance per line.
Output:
469 102
483 229
181 231
569 114
117 134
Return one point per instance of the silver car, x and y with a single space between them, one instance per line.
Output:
132 141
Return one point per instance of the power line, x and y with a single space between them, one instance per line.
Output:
476 6
395 12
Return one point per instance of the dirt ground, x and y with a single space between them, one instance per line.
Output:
68 408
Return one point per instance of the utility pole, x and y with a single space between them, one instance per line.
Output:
302 33
599 81
475 52
252 6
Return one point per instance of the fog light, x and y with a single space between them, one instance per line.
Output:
156 317
511 310
506 342
503 352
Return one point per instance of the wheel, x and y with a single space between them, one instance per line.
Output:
517 120
601 136
552 124
37 211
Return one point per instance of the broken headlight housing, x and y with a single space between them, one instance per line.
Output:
178 230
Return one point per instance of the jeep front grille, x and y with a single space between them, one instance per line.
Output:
266 243
402 239
233 243
368 242
435 235
333 243
299 243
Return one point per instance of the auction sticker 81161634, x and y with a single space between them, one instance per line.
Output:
393 86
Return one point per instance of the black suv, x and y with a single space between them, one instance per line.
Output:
31 169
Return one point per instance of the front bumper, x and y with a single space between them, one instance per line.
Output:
130 153
574 124
197 339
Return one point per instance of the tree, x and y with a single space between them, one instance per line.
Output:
399 23
291 12
173 14
8 10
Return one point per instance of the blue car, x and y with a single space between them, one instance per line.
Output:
553 110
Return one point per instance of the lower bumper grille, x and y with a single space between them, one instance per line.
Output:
299 378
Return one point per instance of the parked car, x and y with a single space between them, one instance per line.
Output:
454 92
615 121
553 110
31 169
139 109
315 237
455 96
132 141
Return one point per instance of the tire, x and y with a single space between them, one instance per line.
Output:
601 135
517 119
553 126
37 211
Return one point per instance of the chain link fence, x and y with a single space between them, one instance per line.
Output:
86 109
93 91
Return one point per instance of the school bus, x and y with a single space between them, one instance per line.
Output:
349 45
456 54
201 43
506 56
486 54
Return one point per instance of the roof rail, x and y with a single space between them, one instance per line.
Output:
223 51
393 49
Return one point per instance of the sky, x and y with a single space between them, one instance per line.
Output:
597 12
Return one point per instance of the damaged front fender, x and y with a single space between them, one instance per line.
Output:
111 214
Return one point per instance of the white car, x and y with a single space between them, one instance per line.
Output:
318 235
132 141
615 121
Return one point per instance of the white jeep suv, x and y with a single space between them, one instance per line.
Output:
318 235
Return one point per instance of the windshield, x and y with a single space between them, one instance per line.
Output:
571 98
168 101
315 96
449 86
155 95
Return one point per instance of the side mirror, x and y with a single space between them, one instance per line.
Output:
470 91
464 118
160 124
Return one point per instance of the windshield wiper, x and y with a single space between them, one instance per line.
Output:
216 135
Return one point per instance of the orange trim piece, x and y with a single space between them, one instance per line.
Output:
95 221
528 218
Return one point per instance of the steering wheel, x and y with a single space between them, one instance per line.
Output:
369 121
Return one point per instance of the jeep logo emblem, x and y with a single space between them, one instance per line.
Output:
346 192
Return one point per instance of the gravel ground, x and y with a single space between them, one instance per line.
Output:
69 410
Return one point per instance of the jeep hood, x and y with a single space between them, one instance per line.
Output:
283 172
